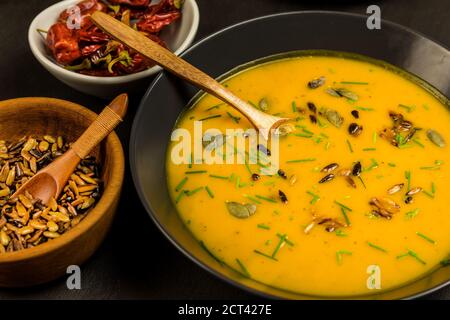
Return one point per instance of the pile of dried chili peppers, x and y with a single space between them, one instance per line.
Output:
78 45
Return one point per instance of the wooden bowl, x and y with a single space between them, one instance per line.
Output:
48 261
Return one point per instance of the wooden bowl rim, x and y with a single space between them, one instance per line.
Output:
110 193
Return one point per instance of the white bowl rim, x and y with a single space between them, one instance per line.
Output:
54 67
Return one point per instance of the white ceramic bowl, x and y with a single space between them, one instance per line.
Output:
178 37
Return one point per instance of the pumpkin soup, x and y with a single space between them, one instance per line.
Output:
358 203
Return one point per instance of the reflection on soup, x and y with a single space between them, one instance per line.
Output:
359 203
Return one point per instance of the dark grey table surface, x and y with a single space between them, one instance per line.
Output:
136 261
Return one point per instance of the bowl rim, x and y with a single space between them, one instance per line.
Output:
111 190
54 67
149 208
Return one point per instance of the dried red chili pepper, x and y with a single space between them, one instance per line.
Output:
132 3
86 7
93 35
154 23
63 43
90 49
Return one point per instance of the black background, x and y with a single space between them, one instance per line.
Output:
136 261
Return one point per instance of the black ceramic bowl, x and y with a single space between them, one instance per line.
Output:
258 38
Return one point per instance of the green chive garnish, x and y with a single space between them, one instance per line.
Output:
339 255
288 242
264 255
279 245
428 194
243 268
425 237
180 195
340 233
433 188
418 143
408 178
376 247
210 193
294 106
263 226
406 107
181 184
364 108
192 192
416 256
391 164
412 214
374 137
369 149
252 199
303 135
301 160
234 118
315 197
347 220
196 172
214 107
211 117
343 206
265 198
354 82
349 146
218 177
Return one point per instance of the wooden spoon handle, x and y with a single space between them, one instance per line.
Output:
105 123
139 42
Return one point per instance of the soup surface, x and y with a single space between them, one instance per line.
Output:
359 203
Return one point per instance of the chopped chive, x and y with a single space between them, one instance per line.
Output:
265 198
264 255
180 195
243 268
234 118
210 193
349 146
354 82
288 242
369 149
418 143
412 214
425 237
181 184
202 244
408 179
391 164
303 135
407 108
307 131
238 182
376 247
324 135
431 168
428 194
217 106
263 226
301 160
343 206
254 105
344 213
339 255
196 172
279 245
433 188
218 177
340 233
416 256
211 117
374 137
315 197
364 108
192 192
252 199
294 106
